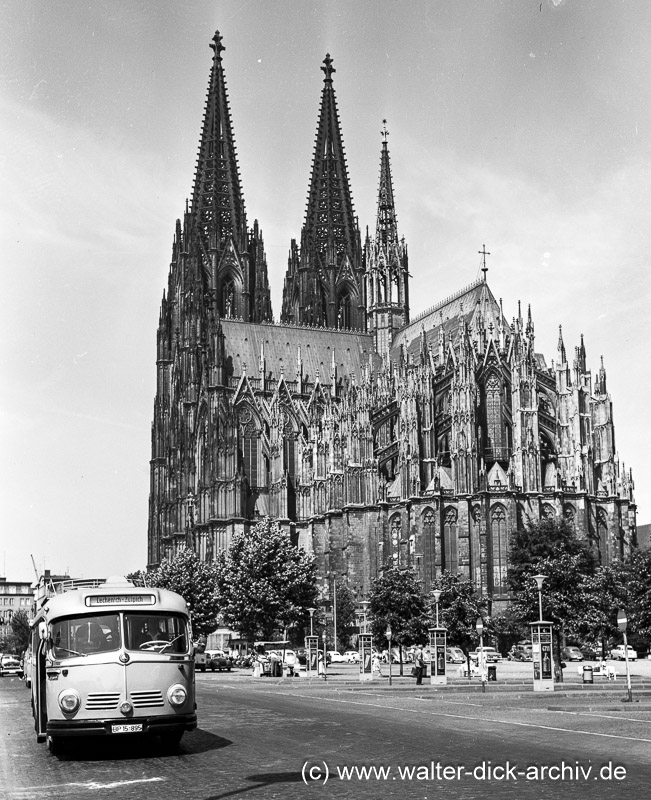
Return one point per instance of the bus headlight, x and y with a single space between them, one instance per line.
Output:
177 695
69 701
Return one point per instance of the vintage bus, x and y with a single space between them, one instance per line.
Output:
111 658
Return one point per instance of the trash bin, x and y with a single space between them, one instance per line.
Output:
492 672
588 674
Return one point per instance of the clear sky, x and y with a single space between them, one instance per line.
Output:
519 124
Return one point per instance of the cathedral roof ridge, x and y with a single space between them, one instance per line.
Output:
447 300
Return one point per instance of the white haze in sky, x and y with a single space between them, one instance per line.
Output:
524 126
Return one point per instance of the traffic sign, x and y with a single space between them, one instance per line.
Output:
621 619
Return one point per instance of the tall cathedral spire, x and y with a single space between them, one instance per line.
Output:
224 255
217 202
386 263
324 284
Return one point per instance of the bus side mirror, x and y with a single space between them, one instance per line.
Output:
42 630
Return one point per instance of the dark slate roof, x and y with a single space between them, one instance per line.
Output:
245 340
464 306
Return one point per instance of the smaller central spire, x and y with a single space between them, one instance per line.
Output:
328 69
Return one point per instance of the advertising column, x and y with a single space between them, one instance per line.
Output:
437 646
311 656
543 657
366 653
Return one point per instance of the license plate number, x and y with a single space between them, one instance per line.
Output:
127 728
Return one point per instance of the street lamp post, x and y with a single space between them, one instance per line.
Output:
437 596
540 579
437 645
542 640
311 610
325 660
482 669
388 634
622 621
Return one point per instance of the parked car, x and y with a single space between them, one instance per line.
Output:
522 651
619 653
10 665
335 656
454 655
571 654
591 652
352 656
490 654
218 660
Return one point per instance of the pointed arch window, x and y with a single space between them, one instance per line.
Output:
344 311
228 298
494 426
500 548
450 530
602 536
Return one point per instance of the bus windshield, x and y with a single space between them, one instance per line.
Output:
159 632
81 636
89 634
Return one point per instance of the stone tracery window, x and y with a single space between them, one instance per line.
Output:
500 548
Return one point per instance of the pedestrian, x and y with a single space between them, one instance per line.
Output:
275 668
419 665
375 665
320 665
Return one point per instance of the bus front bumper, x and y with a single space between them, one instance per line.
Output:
104 727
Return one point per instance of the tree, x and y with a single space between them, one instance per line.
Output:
196 582
346 624
265 582
460 604
396 599
19 631
551 547
539 541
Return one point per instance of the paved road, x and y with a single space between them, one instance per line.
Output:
264 739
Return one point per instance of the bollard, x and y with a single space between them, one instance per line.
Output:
588 674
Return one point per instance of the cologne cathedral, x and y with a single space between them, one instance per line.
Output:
371 436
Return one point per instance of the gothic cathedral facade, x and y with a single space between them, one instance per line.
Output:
371 436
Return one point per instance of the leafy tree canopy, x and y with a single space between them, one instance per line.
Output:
196 582
265 582
396 599
19 632
346 617
544 540
459 607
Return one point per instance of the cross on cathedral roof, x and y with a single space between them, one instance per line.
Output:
483 253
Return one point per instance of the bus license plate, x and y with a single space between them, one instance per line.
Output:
136 728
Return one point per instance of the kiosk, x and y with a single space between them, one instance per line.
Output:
312 656
366 653
543 657
437 647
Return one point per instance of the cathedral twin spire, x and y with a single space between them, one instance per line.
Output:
217 202
326 281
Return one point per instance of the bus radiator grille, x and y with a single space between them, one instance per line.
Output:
97 701
142 699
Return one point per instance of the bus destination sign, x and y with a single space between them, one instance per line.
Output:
121 599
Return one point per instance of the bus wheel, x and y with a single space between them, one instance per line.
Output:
171 739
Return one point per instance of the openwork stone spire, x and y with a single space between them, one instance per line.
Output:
217 202
332 294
